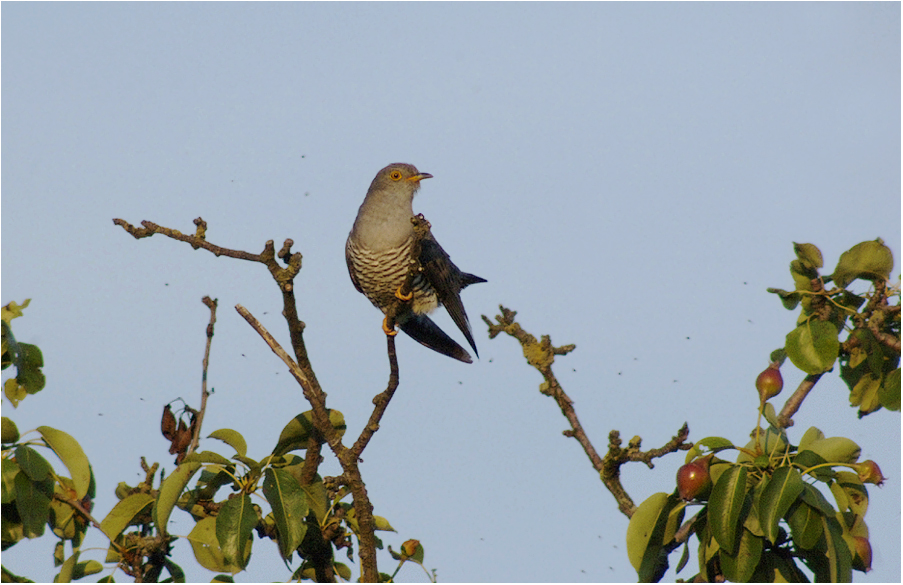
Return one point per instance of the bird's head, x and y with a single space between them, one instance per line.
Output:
399 178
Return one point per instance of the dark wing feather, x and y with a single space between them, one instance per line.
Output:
447 280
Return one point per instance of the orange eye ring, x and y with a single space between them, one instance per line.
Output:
395 175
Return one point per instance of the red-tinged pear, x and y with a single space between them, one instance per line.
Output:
769 383
693 479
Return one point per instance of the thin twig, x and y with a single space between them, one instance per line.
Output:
196 436
541 355
381 401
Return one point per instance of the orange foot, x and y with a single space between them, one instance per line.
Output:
390 332
402 297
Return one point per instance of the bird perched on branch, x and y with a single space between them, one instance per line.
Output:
379 253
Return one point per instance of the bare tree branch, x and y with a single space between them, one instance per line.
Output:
541 355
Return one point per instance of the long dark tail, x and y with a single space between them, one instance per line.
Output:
422 329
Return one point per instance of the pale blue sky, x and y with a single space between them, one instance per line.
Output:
629 177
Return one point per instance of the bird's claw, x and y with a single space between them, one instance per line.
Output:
390 332
402 297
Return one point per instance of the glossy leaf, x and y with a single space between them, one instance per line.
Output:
10 470
124 512
170 490
647 521
33 503
809 462
855 494
817 500
708 444
381 523
809 255
232 438
289 504
206 547
10 433
889 393
813 346
780 492
72 456
234 523
740 566
207 457
838 562
812 434
788 298
867 260
726 504
32 463
298 432
805 525
836 449
67 569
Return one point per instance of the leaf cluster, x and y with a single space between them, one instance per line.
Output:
870 355
764 514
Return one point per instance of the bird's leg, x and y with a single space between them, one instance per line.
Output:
388 331
403 297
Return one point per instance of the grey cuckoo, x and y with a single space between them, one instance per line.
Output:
378 253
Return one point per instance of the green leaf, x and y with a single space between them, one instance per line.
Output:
726 503
817 500
836 450
802 276
86 568
32 463
10 470
232 438
170 490
298 432
807 460
317 498
780 492
289 504
207 457
889 393
381 523
33 503
234 524
839 565
66 571
28 364
854 493
789 299
813 346
206 547
739 567
684 558
809 255
13 310
124 512
177 575
9 432
805 525
72 456
646 535
812 434
867 260
713 444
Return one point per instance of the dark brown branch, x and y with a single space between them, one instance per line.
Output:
196 435
381 401
541 355
793 404
301 369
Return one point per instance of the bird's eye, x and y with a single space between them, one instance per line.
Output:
395 175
